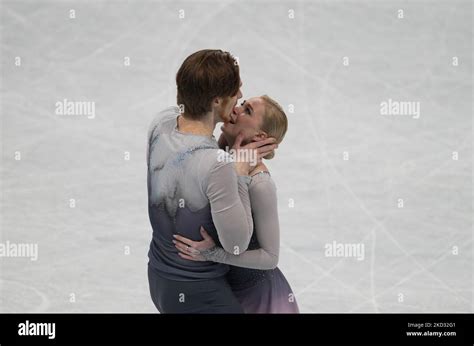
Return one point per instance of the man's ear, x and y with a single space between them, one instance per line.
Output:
259 136
216 104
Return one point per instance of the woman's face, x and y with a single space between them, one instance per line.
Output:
246 118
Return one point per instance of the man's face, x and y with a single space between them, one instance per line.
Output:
227 106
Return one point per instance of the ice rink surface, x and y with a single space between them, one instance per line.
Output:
399 185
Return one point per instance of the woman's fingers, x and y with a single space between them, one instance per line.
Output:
187 257
204 234
188 250
184 240
180 246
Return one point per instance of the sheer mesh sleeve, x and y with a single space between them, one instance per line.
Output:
265 216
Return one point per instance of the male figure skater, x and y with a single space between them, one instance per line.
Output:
190 185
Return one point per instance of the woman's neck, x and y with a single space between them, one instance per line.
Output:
201 127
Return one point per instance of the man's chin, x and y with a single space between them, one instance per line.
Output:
225 118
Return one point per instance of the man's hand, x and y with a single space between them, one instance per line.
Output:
257 150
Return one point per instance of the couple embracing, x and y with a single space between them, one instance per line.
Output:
216 234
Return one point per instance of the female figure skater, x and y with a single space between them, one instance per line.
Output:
260 287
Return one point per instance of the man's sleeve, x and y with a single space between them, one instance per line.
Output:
228 195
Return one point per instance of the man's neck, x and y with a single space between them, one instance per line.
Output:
202 127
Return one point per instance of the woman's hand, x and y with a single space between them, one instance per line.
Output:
191 250
256 151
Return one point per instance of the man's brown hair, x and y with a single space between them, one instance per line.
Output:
203 76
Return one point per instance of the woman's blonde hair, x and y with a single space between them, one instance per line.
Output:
275 122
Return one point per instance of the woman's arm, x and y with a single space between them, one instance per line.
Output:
263 199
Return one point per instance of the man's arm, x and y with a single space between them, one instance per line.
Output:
265 215
227 191
230 207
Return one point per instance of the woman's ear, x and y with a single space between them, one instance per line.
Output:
259 136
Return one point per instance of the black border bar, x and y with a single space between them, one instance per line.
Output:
315 329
